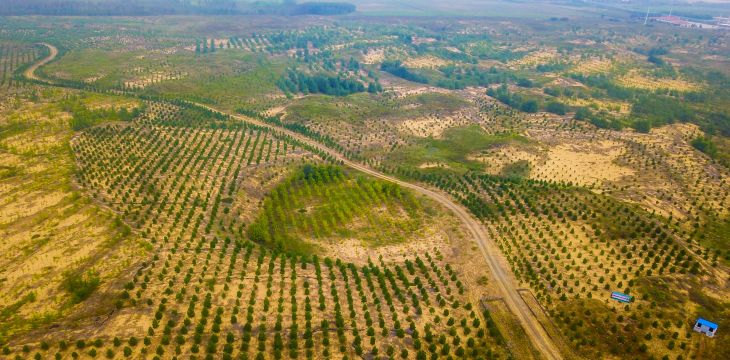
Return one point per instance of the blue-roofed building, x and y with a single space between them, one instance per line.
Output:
708 328
624 298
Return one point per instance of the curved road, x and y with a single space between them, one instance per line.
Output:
499 268
30 71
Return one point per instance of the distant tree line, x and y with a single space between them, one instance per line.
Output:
114 7
299 82
168 7
516 101
461 77
323 8
396 68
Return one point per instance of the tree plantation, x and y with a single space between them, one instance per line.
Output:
417 180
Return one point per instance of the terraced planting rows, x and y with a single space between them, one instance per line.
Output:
14 55
246 303
164 170
572 247
207 292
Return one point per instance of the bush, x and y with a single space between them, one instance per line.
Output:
582 113
556 108
705 145
529 106
81 286
642 126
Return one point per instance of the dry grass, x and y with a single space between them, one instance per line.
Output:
425 62
47 228
634 79
534 58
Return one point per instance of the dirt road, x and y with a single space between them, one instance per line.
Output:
30 71
497 264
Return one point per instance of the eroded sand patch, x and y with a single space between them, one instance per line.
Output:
425 62
583 163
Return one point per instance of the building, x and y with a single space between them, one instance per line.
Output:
673 20
624 298
706 327
677 21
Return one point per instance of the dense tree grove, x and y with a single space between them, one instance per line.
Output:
298 82
514 100
460 77
80 286
396 68
661 110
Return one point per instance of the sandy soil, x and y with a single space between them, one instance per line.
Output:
636 80
425 62
584 163
593 66
534 58
373 56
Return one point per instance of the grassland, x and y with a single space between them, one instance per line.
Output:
50 230
319 203
454 151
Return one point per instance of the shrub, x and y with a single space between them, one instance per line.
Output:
705 145
556 108
81 286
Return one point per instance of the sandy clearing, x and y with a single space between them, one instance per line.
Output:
425 62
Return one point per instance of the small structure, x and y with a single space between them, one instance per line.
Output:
677 21
624 298
708 328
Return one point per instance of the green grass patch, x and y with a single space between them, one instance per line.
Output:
81 285
453 149
714 235
228 78
323 203
358 107
517 170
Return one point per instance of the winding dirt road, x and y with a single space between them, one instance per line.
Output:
30 71
497 265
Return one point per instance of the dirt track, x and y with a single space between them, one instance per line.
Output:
30 71
497 264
